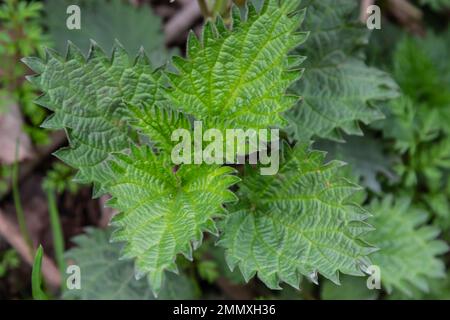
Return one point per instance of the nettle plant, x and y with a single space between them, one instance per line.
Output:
119 114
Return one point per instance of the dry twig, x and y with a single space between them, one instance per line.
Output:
364 5
10 232
408 15
182 21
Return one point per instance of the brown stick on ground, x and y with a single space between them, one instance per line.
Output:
182 21
10 232
408 15
364 5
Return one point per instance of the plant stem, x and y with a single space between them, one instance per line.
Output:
17 203
58 239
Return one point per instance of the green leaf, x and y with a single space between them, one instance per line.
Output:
238 78
87 98
297 222
157 124
105 277
165 210
408 250
107 21
339 90
36 276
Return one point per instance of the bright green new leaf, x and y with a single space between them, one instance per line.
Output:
238 78
164 209
157 124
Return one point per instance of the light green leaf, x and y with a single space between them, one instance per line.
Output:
164 210
238 78
157 124
87 97
297 222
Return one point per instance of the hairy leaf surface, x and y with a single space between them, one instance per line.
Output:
164 211
156 123
297 222
86 97
238 78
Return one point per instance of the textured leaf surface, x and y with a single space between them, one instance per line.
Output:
105 277
86 96
408 250
339 90
164 212
238 78
297 222
105 21
157 124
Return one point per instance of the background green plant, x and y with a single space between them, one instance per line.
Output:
21 35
